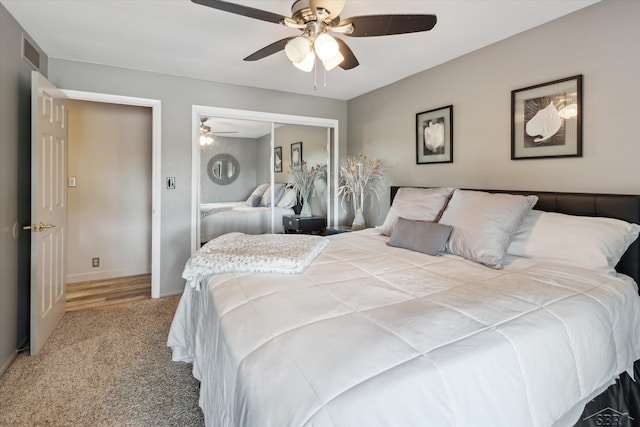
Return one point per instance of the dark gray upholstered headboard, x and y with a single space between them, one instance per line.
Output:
621 206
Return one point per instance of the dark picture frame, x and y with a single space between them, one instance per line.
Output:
546 120
277 159
434 136
296 156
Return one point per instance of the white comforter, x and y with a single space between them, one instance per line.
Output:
373 335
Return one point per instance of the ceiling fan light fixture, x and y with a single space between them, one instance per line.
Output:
205 140
307 63
326 47
332 63
297 49
569 111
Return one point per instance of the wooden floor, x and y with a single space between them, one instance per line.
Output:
104 293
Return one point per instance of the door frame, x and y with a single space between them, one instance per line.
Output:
287 119
156 179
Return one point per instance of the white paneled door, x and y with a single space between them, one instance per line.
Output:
48 208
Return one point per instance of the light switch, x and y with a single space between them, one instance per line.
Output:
171 183
72 181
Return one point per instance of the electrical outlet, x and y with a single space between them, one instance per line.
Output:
95 262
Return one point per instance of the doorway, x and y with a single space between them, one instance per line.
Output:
108 204
156 182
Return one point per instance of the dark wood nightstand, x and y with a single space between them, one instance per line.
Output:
338 229
304 225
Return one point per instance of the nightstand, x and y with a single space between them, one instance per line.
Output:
304 224
338 229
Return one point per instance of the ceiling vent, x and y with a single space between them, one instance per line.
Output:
30 53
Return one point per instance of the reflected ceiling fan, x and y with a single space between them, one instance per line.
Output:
206 134
317 19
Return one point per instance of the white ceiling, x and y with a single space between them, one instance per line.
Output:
181 38
234 128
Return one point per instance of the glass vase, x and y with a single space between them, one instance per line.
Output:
306 205
358 218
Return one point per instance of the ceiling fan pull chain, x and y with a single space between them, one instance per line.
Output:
325 78
315 76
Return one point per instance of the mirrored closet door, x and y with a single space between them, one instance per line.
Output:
242 166
232 168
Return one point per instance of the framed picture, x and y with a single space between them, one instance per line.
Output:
546 120
296 156
434 136
277 159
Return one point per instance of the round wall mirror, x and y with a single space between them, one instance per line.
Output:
223 169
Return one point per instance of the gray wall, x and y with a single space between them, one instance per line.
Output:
178 95
15 158
602 42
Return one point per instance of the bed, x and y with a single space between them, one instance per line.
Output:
217 219
251 216
373 334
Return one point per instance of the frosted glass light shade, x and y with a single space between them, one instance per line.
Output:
332 63
569 111
205 140
307 63
326 46
297 49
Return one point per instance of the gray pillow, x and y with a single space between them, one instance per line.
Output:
421 236
484 224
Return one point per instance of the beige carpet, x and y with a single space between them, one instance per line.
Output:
108 367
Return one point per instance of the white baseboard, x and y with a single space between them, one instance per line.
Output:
170 294
8 362
107 274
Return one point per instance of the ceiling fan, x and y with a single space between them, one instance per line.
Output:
317 19
206 134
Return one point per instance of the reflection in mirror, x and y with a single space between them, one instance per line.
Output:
248 203
314 156
223 169
231 168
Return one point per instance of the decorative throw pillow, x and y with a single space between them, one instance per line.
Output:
256 197
421 236
594 243
289 199
484 224
278 191
424 204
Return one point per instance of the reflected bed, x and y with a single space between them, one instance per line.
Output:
217 219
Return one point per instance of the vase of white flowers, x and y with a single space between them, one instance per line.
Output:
360 179
302 180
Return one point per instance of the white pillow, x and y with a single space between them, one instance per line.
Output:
289 199
256 197
278 191
484 224
594 243
423 204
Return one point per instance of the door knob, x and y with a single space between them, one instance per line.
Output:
38 227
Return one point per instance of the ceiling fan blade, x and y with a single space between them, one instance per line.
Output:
333 6
349 60
268 50
387 25
238 9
